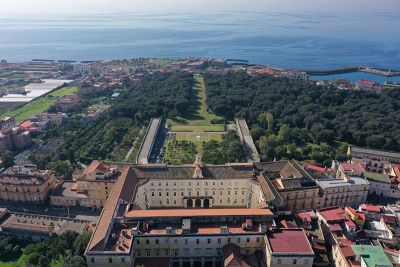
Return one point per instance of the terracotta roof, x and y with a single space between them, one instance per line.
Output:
289 241
352 167
347 251
123 189
370 208
232 256
197 212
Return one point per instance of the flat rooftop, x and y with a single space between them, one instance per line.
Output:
67 190
149 141
289 241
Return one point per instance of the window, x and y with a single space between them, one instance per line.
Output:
208 241
229 193
197 251
152 194
147 242
279 261
175 241
138 253
138 241
197 241
157 252
92 260
219 241
294 261
306 261
235 192
248 240
166 252
208 251
176 252
148 253
186 241
174 194
109 260
238 240
186 252
258 239
159 194
157 241
229 240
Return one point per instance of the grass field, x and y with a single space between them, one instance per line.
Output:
198 118
40 104
198 138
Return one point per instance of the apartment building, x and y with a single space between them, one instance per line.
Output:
339 192
26 184
11 136
375 159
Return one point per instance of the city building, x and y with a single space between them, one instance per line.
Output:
37 227
11 136
53 118
360 255
287 186
366 85
336 225
26 184
91 188
68 103
375 160
339 192
350 169
288 247
382 185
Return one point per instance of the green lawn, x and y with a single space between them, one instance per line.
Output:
39 105
198 138
198 118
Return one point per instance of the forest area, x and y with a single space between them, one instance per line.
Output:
298 119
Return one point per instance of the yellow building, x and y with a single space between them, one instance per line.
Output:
89 189
26 184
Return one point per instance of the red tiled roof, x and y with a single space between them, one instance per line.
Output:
353 167
289 241
305 217
347 251
370 208
333 214
314 167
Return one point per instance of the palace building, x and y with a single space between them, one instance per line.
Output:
197 215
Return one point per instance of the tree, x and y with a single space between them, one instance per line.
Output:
74 261
7 160
266 120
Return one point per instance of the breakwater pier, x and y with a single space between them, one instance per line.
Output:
372 70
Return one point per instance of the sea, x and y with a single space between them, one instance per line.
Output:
292 40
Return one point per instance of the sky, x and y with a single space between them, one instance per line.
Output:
114 6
